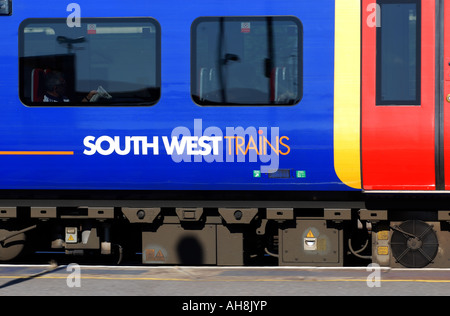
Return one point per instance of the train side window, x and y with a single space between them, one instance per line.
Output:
247 61
398 53
105 62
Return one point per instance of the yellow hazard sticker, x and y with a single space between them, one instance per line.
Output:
71 238
153 255
383 235
310 234
383 250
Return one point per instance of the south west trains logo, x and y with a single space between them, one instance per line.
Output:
235 144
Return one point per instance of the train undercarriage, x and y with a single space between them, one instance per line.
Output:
172 234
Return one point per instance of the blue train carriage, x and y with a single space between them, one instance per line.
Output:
223 133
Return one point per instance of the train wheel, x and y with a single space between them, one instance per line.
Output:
414 244
11 247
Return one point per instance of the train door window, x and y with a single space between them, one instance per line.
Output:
246 60
398 53
105 61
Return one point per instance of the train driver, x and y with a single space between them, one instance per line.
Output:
55 86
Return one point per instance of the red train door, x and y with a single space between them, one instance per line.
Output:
445 95
400 116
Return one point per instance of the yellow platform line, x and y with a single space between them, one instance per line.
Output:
222 280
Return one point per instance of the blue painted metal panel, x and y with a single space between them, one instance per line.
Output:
308 125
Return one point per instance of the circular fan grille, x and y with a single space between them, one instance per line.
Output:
414 244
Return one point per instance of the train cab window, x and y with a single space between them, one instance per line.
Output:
104 61
398 53
246 61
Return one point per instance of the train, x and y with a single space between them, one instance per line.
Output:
257 132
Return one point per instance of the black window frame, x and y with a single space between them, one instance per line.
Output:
379 32
195 76
92 20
